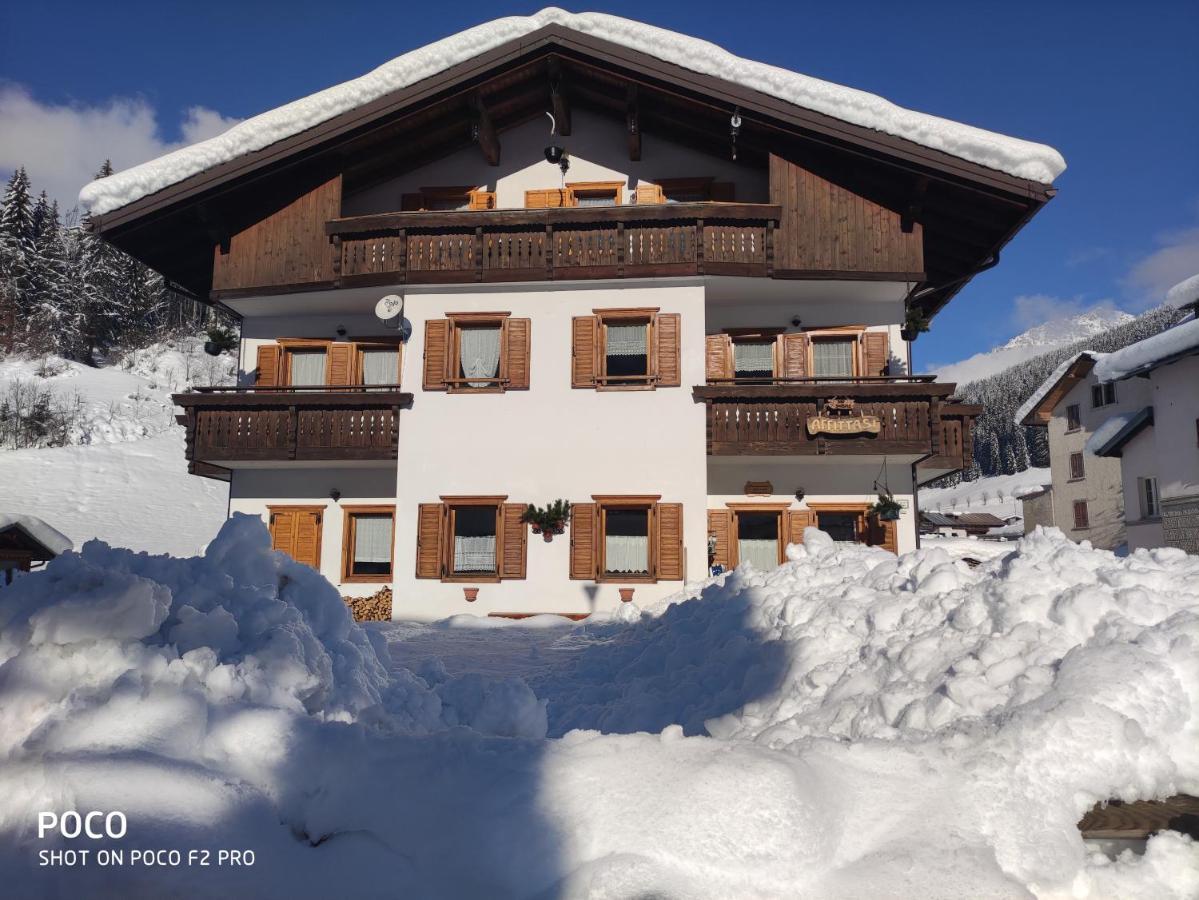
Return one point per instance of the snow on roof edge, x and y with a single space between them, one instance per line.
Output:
1015 156
1185 292
46 535
1148 353
1055 376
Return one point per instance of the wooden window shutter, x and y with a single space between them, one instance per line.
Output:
340 368
797 520
482 199
283 531
519 348
794 354
876 350
890 539
307 545
670 541
430 525
668 327
515 541
584 560
584 351
723 191
718 356
268 365
720 526
649 193
552 198
437 353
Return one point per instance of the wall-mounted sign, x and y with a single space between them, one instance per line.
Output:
838 418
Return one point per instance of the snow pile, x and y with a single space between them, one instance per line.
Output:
1021 158
1182 339
850 724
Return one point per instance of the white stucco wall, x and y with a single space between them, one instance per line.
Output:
1175 399
523 166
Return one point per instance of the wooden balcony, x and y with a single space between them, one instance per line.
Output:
647 241
231 426
825 416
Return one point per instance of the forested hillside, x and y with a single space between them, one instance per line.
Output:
1001 447
66 292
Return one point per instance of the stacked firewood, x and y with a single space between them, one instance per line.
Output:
375 608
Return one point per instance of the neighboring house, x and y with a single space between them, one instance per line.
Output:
1157 445
683 312
1087 497
27 541
1038 509
958 524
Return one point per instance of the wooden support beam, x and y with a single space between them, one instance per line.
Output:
484 133
558 100
911 214
633 123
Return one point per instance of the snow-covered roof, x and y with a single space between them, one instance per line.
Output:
1165 346
1110 437
1038 396
1020 158
50 538
1184 293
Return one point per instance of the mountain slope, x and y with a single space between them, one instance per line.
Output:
1032 343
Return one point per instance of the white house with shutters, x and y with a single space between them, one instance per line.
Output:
674 290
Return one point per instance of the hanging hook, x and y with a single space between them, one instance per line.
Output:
553 124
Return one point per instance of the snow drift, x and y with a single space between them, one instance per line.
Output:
850 724
1021 158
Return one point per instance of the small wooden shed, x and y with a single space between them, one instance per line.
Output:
26 541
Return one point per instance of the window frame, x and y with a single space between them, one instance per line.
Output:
452 502
699 184
778 508
627 316
1080 472
578 189
441 193
1085 518
349 524
648 502
1073 420
756 336
1143 483
828 336
356 370
1106 392
460 320
290 346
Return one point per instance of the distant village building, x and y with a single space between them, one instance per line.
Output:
26 542
1087 499
1157 444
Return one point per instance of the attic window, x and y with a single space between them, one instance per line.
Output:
596 193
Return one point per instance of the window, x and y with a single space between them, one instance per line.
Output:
471 538
477 352
1077 470
833 357
596 193
306 366
840 526
367 543
1073 417
1103 394
1082 518
474 529
1147 488
758 539
626 538
753 359
378 365
626 349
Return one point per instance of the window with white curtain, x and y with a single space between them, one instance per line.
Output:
307 366
627 349
380 365
626 541
474 539
370 553
753 359
758 539
832 358
479 354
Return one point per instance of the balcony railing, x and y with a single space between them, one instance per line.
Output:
819 416
957 440
546 244
231 425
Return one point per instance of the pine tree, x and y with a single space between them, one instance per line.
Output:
16 250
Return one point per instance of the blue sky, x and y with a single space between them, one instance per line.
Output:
1112 85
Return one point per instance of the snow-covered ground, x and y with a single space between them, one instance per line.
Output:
851 724
999 495
123 477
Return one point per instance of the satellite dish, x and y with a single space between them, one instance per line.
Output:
390 310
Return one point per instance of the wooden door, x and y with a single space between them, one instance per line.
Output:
296 530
